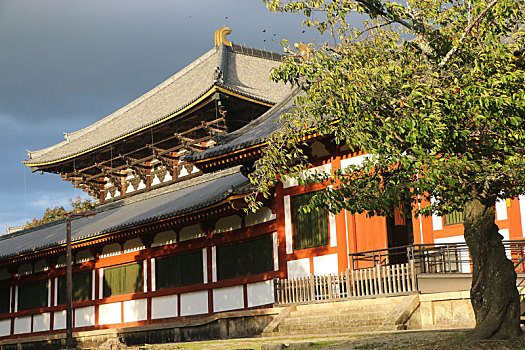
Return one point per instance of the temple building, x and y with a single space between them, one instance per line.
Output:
171 243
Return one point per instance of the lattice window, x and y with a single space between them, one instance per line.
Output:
82 283
246 258
179 270
123 279
309 229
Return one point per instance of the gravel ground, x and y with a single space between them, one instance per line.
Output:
424 340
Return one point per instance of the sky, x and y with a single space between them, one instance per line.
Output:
65 64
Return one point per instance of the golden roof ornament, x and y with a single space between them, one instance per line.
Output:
220 36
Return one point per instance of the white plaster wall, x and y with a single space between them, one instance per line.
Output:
264 214
168 177
437 222
194 303
501 210
326 264
275 242
83 256
135 310
4 274
333 230
25 269
141 186
133 245
522 212
288 225
163 307
228 223
153 275
190 232
464 256
42 322
345 163
59 320
155 180
110 250
40 266
204 265
109 313
164 238
61 261
22 325
5 327
290 182
506 236
85 316
260 293
298 268
228 298
213 264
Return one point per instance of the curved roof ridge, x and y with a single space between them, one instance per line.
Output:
79 133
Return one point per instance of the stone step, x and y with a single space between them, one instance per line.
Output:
335 330
339 314
343 309
287 326
328 318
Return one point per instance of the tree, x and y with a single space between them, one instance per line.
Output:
78 205
434 92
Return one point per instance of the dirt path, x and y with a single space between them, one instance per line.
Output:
424 340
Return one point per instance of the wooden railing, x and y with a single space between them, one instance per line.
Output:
400 278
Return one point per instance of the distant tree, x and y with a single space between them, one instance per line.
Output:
78 205
434 92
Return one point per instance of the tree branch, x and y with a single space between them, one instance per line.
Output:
475 21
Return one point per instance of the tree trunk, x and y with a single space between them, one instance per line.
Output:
493 293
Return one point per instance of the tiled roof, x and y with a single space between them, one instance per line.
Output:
251 134
246 71
166 202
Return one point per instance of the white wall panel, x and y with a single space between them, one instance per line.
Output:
59 320
275 242
205 265
164 238
163 307
228 223
22 325
5 327
333 230
522 212
298 268
190 232
228 298
326 264
288 225
290 182
501 210
85 316
42 322
214 264
264 214
110 313
345 163
194 303
260 293
135 310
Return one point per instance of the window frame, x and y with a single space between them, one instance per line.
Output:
324 240
163 285
137 289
